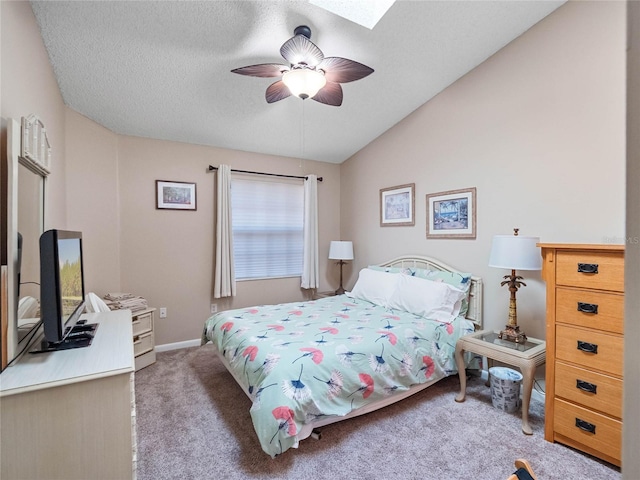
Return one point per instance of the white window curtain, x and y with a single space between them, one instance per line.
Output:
310 274
225 281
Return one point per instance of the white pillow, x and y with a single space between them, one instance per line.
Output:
426 298
374 286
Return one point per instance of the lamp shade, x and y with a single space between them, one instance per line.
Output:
341 250
515 252
304 82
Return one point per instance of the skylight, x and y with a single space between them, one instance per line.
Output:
363 12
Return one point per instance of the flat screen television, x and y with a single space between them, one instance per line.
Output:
62 292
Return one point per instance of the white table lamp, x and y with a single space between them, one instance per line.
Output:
514 252
341 251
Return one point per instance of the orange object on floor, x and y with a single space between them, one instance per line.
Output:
523 472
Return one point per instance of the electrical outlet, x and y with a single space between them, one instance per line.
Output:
214 308
163 312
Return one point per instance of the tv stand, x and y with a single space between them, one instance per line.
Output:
79 337
84 396
83 327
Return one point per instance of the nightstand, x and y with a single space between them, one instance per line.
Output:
525 356
143 338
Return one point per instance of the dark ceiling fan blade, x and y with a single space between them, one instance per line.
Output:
262 70
277 91
342 70
300 49
330 94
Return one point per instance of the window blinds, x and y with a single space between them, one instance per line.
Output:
268 221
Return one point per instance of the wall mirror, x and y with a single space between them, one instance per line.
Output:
27 159
30 226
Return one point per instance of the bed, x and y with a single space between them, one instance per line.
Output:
305 365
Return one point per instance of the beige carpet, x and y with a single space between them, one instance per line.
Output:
193 423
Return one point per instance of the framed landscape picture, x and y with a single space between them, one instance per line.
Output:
397 206
175 195
452 214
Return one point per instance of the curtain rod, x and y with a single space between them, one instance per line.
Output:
211 168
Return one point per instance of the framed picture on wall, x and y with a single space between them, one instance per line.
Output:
452 214
397 206
175 195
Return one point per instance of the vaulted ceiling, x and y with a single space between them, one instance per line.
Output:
161 69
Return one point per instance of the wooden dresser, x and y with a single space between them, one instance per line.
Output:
71 414
585 328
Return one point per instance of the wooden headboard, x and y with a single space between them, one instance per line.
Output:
475 291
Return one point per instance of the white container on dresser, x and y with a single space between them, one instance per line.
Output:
144 344
585 339
71 414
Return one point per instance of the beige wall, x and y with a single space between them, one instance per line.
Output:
92 199
84 153
167 255
538 129
28 86
631 414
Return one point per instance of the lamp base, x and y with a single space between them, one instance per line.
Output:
513 334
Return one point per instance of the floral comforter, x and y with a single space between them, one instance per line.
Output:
301 362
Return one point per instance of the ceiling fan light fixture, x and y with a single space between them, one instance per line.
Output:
304 82
308 73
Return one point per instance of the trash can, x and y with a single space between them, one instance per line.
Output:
505 388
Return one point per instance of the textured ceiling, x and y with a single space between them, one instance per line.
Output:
161 69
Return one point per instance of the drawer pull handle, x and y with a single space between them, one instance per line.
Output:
588 308
588 347
587 268
586 426
586 386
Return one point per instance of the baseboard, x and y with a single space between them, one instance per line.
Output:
178 345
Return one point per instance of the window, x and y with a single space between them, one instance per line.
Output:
268 228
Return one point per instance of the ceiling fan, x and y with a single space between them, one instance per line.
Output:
309 74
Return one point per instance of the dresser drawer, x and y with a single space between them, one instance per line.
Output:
589 308
145 359
142 323
594 430
590 349
143 343
590 389
607 270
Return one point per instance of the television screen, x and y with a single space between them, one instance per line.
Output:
62 289
70 272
